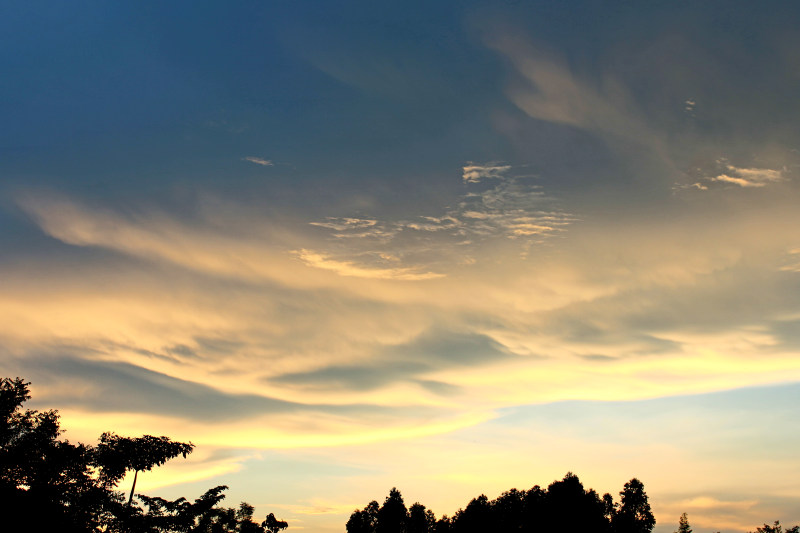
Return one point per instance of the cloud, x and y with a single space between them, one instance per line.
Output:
474 173
548 90
709 502
722 173
342 224
242 246
348 268
507 207
203 310
410 361
259 161
792 261
123 387
750 177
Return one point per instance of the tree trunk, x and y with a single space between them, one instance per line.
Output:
135 475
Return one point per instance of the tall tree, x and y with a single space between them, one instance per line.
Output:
683 524
420 519
393 514
116 455
634 514
364 521
568 502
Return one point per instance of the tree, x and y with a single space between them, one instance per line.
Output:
567 500
392 515
509 510
444 525
535 506
609 507
364 521
420 519
273 525
634 514
116 455
683 524
477 517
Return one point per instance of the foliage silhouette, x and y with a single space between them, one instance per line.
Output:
51 484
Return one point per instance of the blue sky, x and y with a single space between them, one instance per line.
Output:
451 247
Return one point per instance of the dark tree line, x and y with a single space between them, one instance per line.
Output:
563 506
49 484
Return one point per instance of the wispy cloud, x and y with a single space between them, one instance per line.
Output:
749 177
156 235
348 268
259 161
496 204
547 89
474 173
721 174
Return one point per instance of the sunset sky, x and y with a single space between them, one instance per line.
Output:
451 247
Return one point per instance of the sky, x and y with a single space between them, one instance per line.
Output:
452 247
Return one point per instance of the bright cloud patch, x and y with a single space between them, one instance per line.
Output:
347 268
473 173
723 174
749 177
259 161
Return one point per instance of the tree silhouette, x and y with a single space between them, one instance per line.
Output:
534 509
634 514
568 500
444 525
392 515
273 525
420 519
683 524
364 521
116 455
477 517
509 510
